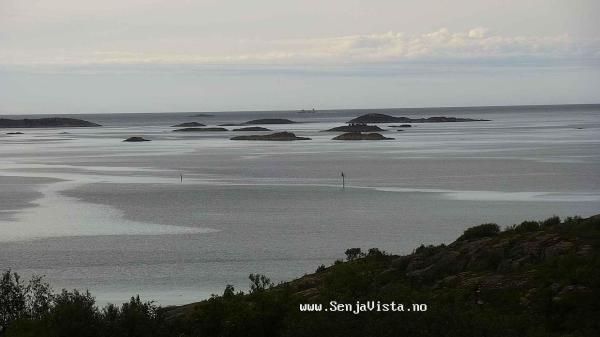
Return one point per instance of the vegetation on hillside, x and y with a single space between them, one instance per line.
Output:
532 279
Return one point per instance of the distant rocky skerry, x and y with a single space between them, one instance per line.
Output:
188 124
199 129
253 128
52 122
361 136
201 115
278 136
382 118
136 139
270 121
355 128
262 121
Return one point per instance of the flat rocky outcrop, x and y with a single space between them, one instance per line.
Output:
253 128
355 128
361 136
278 136
374 118
269 121
188 124
201 115
136 139
199 129
52 122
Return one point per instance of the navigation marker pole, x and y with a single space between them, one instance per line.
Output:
343 181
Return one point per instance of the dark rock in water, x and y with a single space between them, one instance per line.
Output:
361 136
202 115
188 124
355 128
278 136
261 121
199 129
378 118
53 122
406 126
15 133
136 139
382 118
64 133
270 121
253 128
399 130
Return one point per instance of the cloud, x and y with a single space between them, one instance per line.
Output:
477 44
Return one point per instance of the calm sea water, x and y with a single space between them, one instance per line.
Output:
89 211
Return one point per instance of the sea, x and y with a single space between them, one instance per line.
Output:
178 218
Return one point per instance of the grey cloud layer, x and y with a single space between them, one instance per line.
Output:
477 43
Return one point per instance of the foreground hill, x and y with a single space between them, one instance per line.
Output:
53 122
532 279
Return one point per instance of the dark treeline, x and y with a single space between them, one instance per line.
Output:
537 278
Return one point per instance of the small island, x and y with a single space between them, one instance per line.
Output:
253 128
375 118
400 126
361 136
136 139
15 133
355 127
278 136
202 115
188 124
52 122
269 121
200 129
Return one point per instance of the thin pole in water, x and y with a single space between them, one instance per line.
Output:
181 177
343 181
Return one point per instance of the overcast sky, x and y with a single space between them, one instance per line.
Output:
91 56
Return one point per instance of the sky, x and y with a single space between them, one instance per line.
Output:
90 56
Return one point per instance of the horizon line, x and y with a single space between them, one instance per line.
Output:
317 110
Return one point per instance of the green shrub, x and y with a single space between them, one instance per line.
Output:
259 283
527 226
552 221
353 254
481 231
